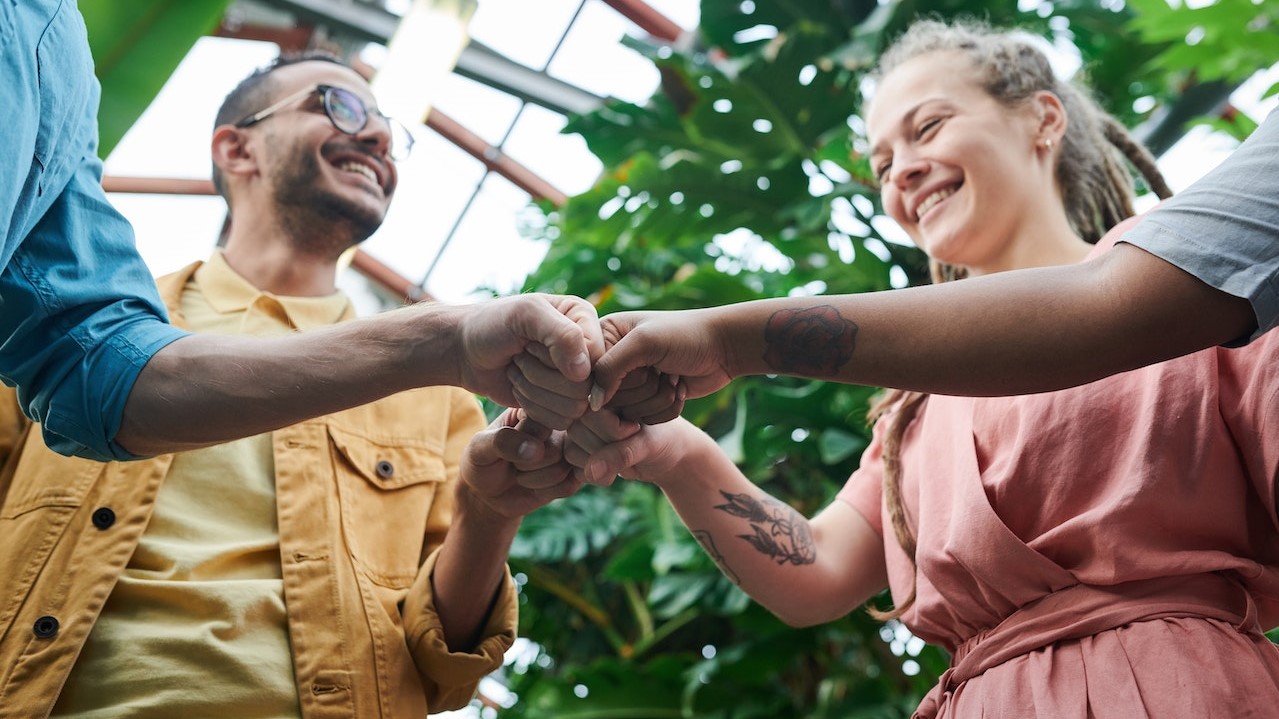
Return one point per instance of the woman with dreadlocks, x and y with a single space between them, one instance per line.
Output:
1110 550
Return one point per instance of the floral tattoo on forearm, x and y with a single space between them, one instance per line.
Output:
813 342
777 531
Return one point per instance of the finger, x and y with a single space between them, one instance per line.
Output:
581 435
664 395
569 328
538 350
545 378
555 414
545 477
636 387
565 488
511 445
575 455
531 427
587 318
625 356
606 425
609 462
675 409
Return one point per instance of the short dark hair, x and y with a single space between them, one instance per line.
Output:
254 92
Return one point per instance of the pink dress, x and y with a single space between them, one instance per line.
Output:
1110 550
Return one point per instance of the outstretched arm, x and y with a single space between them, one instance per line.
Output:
804 571
1011 333
202 390
498 468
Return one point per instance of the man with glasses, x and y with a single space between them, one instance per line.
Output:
351 565
84 337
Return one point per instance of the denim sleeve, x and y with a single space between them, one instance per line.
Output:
1224 229
79 312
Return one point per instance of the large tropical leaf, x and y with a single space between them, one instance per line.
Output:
136 46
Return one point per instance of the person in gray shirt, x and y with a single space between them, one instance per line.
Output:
1202 269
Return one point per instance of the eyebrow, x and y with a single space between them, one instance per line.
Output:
906 120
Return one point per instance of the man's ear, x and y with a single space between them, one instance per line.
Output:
231 152
1050 117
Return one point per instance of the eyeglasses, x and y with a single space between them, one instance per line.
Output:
347 112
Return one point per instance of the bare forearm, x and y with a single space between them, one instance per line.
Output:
1016 332
767 548
206 389
469 572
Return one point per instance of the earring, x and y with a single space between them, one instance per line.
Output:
1048 143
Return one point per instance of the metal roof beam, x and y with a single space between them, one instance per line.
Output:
477 62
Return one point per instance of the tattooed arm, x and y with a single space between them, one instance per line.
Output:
1014 332
804 571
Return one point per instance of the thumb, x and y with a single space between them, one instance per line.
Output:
611 460
569 330
621 359
506 441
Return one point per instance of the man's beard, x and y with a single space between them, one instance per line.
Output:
316 219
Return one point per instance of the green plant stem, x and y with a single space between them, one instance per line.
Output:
669 627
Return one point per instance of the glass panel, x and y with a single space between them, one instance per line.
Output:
435 184
524 31
685 13
562 160
172 231
477 107
488 249
593 58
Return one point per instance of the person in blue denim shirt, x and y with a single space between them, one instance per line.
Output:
85 339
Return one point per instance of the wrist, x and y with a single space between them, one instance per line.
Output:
434 336
473 512
730 334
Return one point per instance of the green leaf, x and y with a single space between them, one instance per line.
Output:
136 46
836 445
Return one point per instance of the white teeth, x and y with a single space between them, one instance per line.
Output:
931 200
359 169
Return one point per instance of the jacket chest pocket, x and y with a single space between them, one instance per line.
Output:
386 490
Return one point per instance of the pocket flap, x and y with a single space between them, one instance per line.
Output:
389 464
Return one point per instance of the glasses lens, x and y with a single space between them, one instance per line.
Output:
401 140
345 109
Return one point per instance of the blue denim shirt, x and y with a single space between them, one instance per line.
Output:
79 312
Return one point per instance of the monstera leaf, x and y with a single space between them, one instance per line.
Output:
136 47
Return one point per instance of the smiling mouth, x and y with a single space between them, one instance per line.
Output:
359 169
932 200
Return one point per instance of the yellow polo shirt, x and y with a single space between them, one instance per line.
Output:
204 586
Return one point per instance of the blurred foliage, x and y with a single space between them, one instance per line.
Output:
744 177
136 46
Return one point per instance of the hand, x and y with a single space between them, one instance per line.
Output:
543 392
603 447
494 333
553 400
649 397
675 343
514 467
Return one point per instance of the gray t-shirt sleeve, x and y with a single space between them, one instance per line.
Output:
1224 229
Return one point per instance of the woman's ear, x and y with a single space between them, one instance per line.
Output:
1050 118
231 152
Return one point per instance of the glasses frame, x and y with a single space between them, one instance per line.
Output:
400 149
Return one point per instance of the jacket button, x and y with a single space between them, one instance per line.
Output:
46 627
103 517
385 469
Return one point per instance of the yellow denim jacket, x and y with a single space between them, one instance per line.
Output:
364 498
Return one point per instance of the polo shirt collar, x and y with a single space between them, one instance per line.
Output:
227 292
